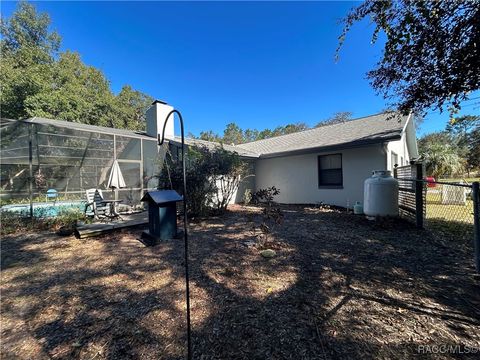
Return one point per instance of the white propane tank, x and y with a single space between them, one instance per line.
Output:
380 195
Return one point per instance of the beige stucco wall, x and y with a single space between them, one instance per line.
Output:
246 182
405 148
400 148
297 176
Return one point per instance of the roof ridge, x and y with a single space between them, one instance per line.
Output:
316 128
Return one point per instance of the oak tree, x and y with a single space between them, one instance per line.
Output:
431 56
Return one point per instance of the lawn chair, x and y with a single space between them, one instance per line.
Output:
51 194
97 206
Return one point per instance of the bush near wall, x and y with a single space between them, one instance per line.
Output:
213 176
65 222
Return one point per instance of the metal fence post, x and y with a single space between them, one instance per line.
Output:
419 196
476 223
30 169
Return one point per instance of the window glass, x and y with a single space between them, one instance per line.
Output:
331 162
332 177
330 170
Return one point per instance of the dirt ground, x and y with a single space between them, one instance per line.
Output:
340 287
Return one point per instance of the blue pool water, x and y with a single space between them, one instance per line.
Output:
45 209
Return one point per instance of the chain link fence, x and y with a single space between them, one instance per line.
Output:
451 204
452 209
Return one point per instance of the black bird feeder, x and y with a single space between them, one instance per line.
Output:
162 215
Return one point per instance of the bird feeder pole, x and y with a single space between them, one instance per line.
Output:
185 231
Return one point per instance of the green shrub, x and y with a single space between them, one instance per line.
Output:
213 176
67 220
247 196
271 216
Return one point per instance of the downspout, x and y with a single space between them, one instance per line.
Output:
384 150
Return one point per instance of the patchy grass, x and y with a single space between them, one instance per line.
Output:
456 180
452 213
339 287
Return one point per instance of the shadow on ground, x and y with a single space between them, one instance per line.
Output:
339 287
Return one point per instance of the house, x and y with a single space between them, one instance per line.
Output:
328 164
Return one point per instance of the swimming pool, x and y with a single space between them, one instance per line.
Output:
45 209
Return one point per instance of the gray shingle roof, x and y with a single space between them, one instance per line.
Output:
367 130
212 145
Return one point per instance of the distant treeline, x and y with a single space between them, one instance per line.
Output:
233 134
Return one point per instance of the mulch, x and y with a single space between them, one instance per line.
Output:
339 287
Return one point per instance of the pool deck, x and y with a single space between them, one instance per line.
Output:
99 228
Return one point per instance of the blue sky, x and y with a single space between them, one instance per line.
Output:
259 64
